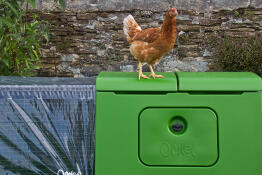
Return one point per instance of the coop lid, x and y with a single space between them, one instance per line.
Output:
219 81
180 81
128 81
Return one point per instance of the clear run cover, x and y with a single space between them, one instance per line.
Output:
47 126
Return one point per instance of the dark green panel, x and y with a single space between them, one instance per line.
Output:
161 144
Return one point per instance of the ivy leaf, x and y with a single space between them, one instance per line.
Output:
62 3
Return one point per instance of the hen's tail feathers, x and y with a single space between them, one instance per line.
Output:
130 27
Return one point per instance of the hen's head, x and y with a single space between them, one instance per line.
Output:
172 12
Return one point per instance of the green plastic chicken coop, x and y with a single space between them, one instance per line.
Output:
184 124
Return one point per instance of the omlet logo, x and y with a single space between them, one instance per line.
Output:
62 172
177 150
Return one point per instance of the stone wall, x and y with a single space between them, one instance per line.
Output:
88 38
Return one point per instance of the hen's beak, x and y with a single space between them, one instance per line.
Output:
173 12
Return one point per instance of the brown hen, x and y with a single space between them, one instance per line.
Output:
151 44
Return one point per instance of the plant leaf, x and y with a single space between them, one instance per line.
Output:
36 55
32 2
12 8
63 4
6 62
36 67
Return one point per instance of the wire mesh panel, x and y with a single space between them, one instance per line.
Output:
47 129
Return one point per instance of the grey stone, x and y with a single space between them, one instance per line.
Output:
247 21
256 3
226 25
45 52
53 48
238 21
91 24
127 68
228 4
69 57
183 17
101 52
101 19
260 23
159 17
113 18
207 53
181 33
195 20
207 14
171 64
74 70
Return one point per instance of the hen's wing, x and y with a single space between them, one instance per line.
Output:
149 35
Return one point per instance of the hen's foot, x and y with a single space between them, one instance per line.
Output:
141 75
156 76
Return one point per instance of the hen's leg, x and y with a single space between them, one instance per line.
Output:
140 72
153 73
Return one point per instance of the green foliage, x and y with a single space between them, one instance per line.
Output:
236 13
238 54
20 38
62 3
